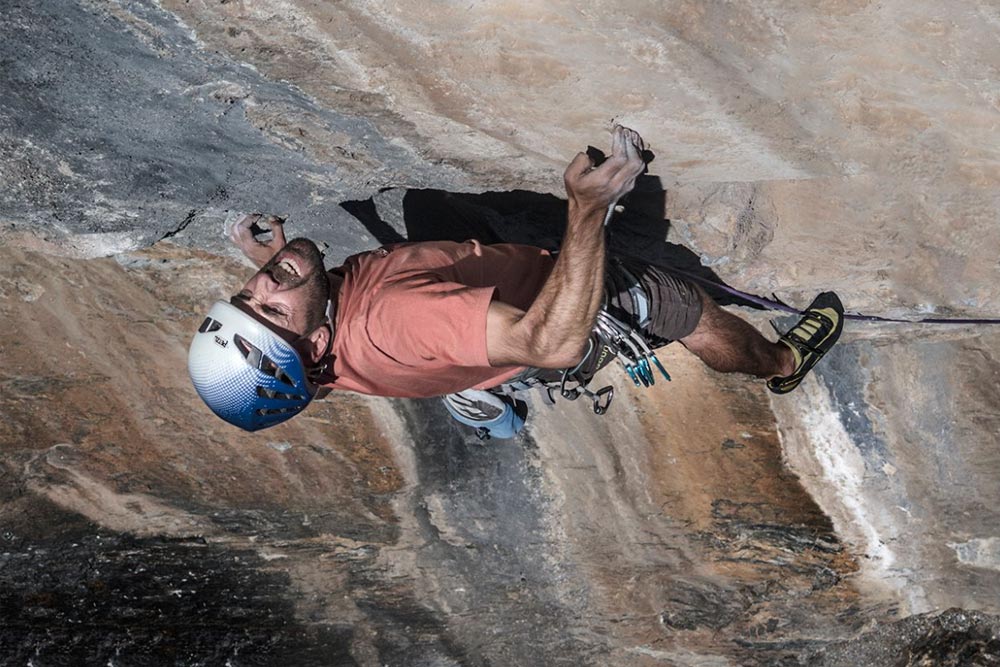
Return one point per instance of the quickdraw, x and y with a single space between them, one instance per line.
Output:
613 337
631 349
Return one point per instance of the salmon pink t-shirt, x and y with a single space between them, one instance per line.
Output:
411 317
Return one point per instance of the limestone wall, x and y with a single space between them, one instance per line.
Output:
843 145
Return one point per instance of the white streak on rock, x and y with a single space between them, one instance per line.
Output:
833 470
981 552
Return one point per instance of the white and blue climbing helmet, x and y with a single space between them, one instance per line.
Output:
245 372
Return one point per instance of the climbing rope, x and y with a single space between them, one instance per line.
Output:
777 304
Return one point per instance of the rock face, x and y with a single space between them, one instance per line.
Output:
842 145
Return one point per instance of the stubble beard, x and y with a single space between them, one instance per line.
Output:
313 281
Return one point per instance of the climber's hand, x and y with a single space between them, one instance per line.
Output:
249 233
593 188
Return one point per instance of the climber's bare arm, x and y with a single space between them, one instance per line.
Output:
553 333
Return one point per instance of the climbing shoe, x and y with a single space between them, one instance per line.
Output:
810 339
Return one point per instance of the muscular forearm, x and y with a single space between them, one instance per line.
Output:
553 332
559 321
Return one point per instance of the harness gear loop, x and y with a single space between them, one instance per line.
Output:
611 339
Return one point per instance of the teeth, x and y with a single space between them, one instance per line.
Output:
289 267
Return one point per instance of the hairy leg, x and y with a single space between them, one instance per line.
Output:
730 345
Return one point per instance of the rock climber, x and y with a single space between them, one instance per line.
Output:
476 324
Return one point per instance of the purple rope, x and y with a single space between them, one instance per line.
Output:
773 304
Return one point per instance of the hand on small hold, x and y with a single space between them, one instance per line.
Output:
596 188
257 246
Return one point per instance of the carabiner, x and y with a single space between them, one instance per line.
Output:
602 399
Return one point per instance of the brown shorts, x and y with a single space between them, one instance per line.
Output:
662 306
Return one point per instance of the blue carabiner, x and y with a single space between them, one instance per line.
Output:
660 366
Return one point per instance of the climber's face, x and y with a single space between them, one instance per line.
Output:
290 291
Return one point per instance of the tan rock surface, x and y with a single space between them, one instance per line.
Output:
844 144
866 129
654 534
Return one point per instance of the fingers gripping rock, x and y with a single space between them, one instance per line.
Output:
598 187
257 235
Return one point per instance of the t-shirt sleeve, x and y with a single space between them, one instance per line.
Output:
424 320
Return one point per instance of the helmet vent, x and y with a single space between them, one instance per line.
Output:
264 392
261 361
278 411
209 325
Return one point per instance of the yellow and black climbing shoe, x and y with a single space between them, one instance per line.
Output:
810 339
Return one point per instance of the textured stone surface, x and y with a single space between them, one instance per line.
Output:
898 440
129 131
842 144
374 532
856 128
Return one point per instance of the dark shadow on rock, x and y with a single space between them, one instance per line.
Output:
435 215
537 219
367 215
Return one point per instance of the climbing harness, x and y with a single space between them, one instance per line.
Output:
611 339
601 398
631 350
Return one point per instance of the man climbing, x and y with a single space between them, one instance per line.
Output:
473 323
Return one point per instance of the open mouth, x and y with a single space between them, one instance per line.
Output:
291 267
287 270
